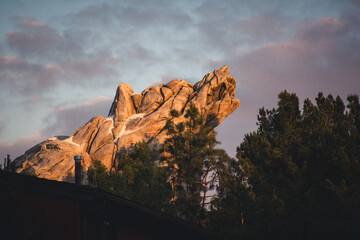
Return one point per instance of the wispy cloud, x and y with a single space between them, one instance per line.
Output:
33 38
22 76
18 147
65 120
322 56
60 121
130 15
90 68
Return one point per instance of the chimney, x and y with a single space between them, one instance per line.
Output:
77 159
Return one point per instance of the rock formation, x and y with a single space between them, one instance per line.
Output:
132 117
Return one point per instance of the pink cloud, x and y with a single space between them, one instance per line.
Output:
61 121
90 68
19 147
36 43
43 42
262 28
140 53
65 120
33 39
322 56
26 22
13 63
21 75
29 77
33 23
131 15
31 44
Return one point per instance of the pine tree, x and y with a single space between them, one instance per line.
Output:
303 169
194 165
7 164
136 177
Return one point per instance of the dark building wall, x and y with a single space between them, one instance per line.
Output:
37 215
53 217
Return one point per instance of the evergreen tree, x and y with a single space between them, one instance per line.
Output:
7 164
141 179
228 212
303 170
99 176
135 177
194 165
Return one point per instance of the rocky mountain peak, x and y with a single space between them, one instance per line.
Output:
132 117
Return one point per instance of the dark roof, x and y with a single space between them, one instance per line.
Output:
89 194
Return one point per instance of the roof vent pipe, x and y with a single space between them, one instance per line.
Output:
77 159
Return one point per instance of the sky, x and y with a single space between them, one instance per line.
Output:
61 61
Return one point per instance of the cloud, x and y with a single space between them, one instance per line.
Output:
130 36
230 26
26 77
140 53
131 15
323 55
142 39
33 23
128 25
40 42
261 29
32 78
90 68
226 24
37 41
19 147
61 121
34 39
65 120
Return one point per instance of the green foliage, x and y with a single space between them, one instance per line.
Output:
296 177
99 176
230 205
303 170
194 165
136 177
139 178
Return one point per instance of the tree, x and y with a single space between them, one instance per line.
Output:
135 177
303 169
7 164
99 176
194 165
229 208
140 178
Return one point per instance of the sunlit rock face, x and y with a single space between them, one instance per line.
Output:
133 117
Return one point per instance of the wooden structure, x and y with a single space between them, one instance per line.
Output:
35 208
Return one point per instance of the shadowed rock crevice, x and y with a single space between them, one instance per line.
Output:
133 117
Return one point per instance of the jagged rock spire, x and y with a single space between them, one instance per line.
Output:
133 118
